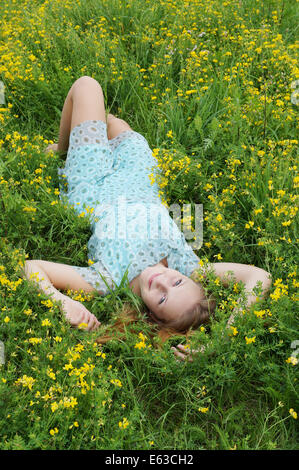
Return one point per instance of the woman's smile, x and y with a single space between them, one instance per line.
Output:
151 279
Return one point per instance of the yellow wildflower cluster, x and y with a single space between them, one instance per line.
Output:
250 340
262 313
35 340
66 402
142 344
203 410
9 285
124 423
280 290
73 354
53 431
169 164
234 330
292 360
116 382
293 413
25 381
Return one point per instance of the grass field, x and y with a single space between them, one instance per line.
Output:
212 86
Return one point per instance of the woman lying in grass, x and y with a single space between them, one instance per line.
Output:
107 168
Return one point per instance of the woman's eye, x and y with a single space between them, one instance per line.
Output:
177 283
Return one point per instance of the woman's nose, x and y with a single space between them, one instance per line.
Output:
161 281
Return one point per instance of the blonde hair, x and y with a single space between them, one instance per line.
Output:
200 313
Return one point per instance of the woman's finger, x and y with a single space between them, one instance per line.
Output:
179 354
82 318
183 348
91 322
96 324
188 350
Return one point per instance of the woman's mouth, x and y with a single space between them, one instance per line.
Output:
151 279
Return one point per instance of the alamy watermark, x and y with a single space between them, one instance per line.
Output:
2 93
2 357
295 94
295 345
127 219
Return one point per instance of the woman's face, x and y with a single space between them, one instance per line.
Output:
167 292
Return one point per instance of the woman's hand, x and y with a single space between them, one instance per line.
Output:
51 147
184 353
76 314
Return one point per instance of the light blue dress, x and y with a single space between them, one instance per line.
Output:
131 228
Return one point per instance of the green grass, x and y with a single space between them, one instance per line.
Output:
209 84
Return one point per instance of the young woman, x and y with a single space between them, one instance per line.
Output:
107 168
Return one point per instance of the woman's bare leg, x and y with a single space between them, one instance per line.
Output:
116 126
84 102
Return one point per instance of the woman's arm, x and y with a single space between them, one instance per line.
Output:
49 277
240 272
249 276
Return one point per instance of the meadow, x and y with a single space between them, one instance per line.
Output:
213 86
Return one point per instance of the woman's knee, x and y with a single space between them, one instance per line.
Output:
116 126
87 83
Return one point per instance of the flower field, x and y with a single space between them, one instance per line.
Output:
214 87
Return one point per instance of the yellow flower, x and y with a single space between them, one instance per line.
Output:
53 431
141 344
203 410
6 319
234 330
124 423
54 406
25 381
259 313
250 224
293 413
116 382
70 402
28 311
51 374
250 340
292 360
